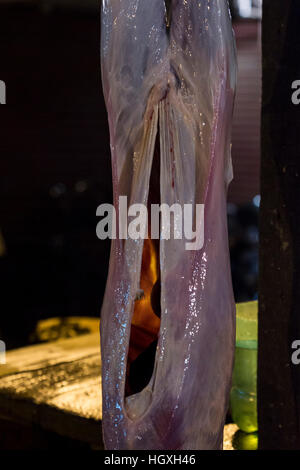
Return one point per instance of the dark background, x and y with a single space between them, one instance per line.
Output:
55 164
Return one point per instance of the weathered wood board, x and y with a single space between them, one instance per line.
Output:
278 381
57 387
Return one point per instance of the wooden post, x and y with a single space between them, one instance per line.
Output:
279 300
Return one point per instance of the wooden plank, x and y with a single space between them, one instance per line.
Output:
279 285
43 355
57 387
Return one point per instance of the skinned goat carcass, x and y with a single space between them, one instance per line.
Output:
168 316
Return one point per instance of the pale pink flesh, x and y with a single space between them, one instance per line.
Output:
184 84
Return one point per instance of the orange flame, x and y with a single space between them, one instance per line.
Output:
145 324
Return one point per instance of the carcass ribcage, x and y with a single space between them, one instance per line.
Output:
172 87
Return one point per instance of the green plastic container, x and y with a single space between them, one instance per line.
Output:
243 398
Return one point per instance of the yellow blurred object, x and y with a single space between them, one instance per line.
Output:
243 398
245 441
246 324
53 329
